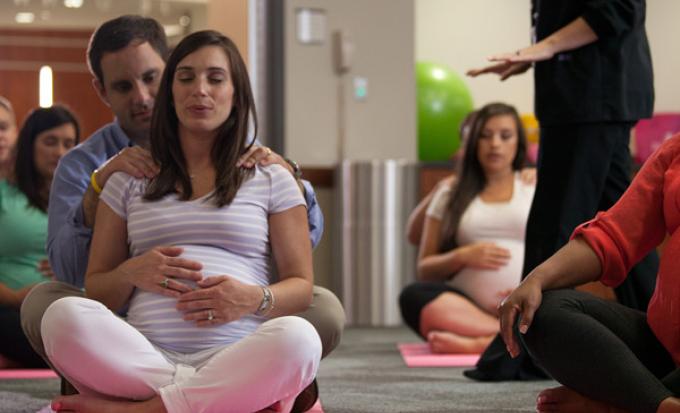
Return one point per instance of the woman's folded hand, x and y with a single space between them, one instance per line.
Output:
220 299
161 270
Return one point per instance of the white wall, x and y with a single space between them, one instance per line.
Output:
319 104
461 33
663 32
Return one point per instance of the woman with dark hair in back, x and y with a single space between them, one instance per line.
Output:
45 136
211 261
472 246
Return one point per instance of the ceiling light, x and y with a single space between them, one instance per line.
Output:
73 4
24 17
45 86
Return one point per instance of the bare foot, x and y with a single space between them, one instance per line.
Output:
565 400
282 406
444 342
274 408
90 404
669 405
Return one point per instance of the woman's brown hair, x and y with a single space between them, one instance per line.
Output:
231 135
471 177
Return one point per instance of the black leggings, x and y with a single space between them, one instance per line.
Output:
601 349
14 344
416 296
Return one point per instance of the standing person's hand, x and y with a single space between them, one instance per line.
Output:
220 299
517 62
523 302
535 53
504 69
160 270
135 161
485 255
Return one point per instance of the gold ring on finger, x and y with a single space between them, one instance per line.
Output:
164 283
268 150
210 315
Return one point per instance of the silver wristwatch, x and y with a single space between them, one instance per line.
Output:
267 304
297 172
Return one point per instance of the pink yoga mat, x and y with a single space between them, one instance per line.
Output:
419 355
27 374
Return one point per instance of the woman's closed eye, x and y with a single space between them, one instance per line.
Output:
507 134
185 78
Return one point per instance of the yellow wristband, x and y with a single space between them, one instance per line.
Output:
93 182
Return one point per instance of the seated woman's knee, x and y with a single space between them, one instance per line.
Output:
64 318
295 333
549 317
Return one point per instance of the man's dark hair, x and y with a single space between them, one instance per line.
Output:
118 33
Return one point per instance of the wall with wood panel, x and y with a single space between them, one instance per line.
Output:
23 52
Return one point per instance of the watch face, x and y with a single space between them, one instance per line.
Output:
296 168
267 302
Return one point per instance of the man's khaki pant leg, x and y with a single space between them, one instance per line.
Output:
325 313
34 306
328 318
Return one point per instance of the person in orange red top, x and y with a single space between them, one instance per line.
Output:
605 355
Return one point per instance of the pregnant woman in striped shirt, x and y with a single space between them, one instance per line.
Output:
188 253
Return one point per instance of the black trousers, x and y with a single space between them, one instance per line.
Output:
601 349
14 345
414 297
582 169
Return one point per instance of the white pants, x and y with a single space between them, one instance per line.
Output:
103 356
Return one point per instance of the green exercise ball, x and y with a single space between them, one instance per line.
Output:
443 102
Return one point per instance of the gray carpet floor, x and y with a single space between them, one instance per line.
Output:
364 374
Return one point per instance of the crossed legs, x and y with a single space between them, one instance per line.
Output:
273 364
603 353
449 321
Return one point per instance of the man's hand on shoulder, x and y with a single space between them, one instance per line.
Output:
264 156
135 161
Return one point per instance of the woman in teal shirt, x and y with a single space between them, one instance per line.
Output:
45 136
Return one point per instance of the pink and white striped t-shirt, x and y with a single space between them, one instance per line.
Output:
232 240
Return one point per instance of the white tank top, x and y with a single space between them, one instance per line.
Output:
503 223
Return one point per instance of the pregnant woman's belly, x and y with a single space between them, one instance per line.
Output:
485 287
158 319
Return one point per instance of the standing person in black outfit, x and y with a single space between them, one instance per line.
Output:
593 81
